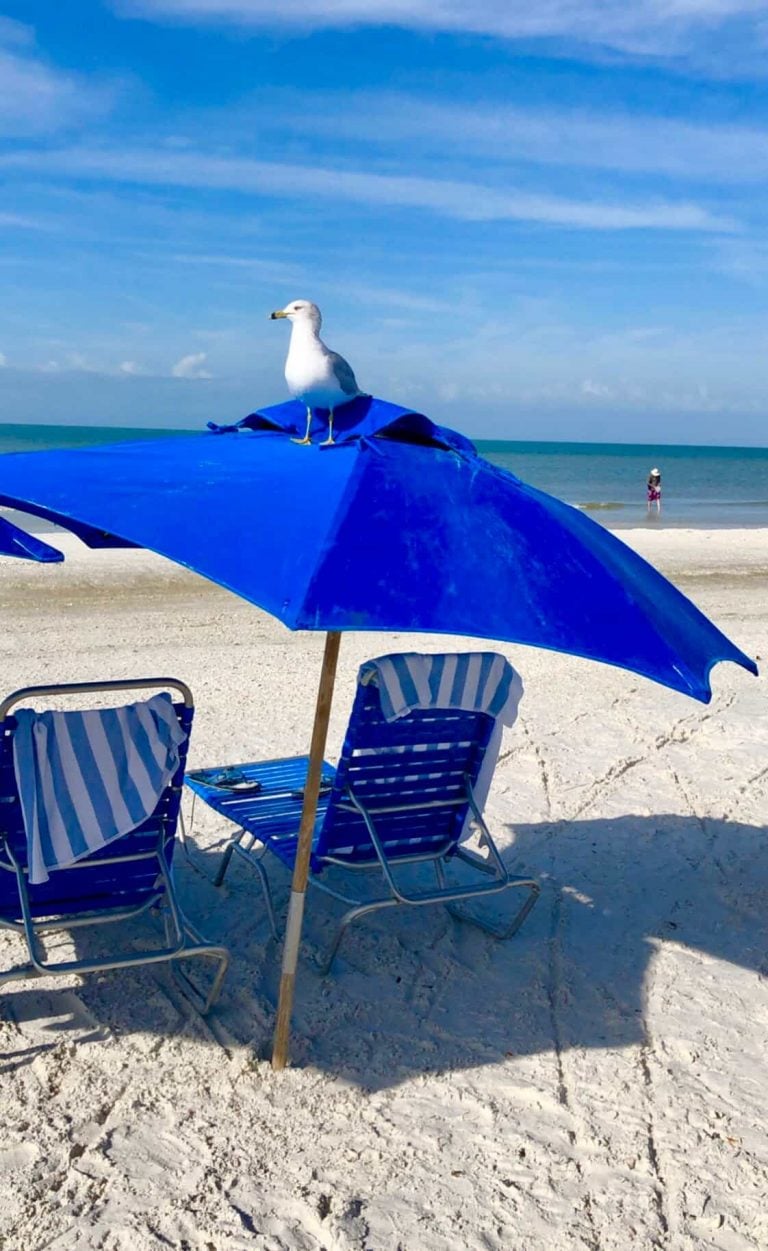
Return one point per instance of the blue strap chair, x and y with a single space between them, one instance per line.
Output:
127 877
402 794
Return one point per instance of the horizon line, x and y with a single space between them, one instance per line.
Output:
478 439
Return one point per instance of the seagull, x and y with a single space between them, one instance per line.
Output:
315 374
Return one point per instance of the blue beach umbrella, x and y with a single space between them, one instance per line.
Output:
397 526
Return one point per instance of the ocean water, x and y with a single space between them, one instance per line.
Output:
34 438
702 487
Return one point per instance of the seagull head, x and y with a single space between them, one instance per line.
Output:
300 311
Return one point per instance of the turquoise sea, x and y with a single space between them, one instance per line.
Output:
702 487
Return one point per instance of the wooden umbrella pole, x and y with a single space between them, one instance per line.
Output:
303 850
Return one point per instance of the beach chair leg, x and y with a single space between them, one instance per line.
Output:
254 860
183 836
501 931
177 926
19 973
353 915
178 931
267 893
226 858
534 891
203 1003
34 947
218 980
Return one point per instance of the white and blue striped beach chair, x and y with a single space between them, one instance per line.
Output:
89 806
414 770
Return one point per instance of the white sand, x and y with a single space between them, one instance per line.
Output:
597 1082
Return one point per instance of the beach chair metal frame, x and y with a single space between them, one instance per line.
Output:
64 902
437 777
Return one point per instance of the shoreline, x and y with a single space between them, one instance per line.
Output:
702 563
653 527
39 525
702 545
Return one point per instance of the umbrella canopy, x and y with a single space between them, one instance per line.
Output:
400 526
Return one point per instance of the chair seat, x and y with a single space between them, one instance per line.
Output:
126 873
403 790
271 814
98 883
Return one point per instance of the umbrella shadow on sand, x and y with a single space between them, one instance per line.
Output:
417 991
424 992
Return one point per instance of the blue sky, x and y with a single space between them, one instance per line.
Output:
531 221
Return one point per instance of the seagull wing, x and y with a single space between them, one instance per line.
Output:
344 374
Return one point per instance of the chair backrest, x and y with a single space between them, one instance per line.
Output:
123 873
411 766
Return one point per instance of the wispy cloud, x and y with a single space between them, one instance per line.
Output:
658 28
16 34
596 390
448 197
72 362
17 221
635 144
486 231
255 266
191 366
744 260
36 98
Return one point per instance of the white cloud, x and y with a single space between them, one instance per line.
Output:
130 367
70 362
3 360
642 143
448 197
15 221
36 98
15 34
744 260
596 389
266 270
660 28
191 366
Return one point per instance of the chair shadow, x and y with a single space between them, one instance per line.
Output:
415 991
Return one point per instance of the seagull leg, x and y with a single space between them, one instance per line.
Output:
327 442
306 438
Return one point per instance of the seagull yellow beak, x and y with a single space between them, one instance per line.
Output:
279 313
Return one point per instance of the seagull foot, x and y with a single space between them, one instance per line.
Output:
329 441
302 442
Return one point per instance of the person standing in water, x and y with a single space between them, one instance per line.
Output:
654 490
